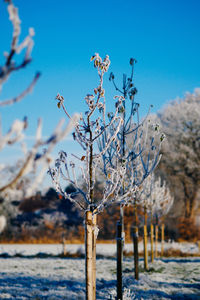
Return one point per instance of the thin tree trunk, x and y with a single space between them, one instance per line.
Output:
89 255
162 238
94 256
145 249
156 241
119 260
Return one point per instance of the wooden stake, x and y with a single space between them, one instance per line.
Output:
89 255
136 256
145 249
119 260
94 256
162 238
156 241
152 238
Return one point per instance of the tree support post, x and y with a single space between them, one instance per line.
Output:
135 249
152 238
89 255
156 241
119 260
94 255
145 249
162 239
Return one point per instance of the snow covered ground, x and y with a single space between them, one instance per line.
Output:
54 278
63 278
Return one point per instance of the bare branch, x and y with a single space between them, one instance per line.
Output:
23 94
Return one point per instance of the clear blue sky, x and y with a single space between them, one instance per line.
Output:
162 35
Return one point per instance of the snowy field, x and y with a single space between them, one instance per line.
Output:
63 278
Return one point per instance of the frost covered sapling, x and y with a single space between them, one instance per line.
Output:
163 203
157 201
88 130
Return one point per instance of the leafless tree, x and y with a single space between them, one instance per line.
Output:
91 126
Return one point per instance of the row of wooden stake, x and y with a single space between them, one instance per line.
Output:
90 252
145 239
120 243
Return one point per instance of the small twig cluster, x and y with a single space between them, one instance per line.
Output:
10 65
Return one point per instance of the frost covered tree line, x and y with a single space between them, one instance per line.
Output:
21 180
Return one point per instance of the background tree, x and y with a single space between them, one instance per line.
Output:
180 120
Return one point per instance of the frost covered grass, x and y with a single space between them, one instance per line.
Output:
106 250
56 278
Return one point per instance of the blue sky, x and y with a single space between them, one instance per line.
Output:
162 35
